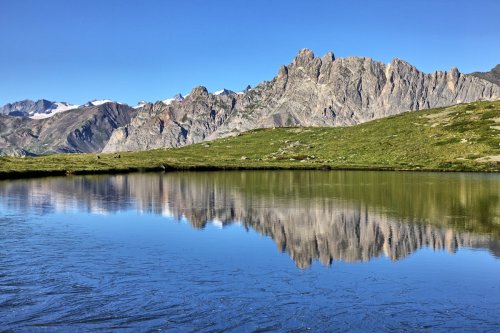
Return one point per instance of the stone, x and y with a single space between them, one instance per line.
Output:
310 91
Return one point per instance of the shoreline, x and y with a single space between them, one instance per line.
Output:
12 175
458 138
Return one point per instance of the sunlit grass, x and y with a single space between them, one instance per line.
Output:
458 138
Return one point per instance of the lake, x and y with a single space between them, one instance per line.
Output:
251 251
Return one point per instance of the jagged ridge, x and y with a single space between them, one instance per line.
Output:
83 130
493 75
311 91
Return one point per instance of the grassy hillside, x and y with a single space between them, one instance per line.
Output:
458 138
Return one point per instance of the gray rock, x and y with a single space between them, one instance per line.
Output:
84 130
176 124
492 76
310 91
27 107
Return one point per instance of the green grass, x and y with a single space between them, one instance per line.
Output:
458 138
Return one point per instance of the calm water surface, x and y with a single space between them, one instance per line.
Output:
251 251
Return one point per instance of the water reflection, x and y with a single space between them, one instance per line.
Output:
311 215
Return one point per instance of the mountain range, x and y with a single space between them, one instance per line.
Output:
84 129
492 76
310 91
35 109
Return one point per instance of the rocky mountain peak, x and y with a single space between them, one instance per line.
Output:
304 66
306 58
327 58
493 75
81 130
399 64
496 69
199 91
283 71
310 91
303 58
223 92
453 74
399 68
178 97
27 107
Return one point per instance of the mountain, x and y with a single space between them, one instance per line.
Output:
176 98
140 104
311 91
223 92
461 137
82 130
26 108
56 108
43 108
492 76
36 109
97 102
175 123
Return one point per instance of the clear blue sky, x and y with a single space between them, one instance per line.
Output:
123 50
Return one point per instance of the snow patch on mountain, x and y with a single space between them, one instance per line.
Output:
223 92
59 107
140 104
176 98
168 101
98 102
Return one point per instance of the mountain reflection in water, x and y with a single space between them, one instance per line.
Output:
311 215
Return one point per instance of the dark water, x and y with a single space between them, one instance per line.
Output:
251 251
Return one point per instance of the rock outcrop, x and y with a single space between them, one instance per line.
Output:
311 91
492 76
83 130
177 123
27 108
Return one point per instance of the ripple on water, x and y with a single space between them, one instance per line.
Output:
136 270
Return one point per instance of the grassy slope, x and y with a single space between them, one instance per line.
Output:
457 138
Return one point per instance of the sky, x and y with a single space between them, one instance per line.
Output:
127 51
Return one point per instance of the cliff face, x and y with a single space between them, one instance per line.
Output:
493 75
27 107
311 91
176 124
84 130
